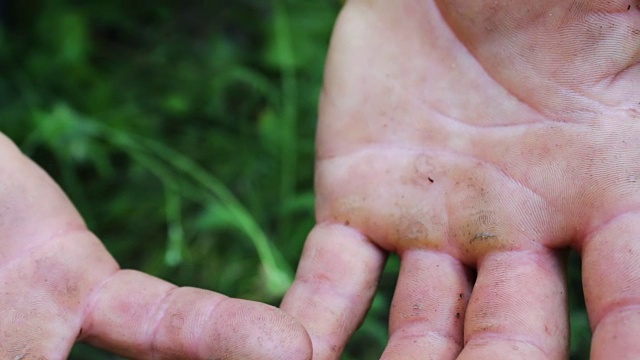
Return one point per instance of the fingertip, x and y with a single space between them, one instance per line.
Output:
255 330
301 345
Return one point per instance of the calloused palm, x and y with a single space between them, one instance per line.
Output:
488 135
58 284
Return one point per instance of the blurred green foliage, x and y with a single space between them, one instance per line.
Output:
183 131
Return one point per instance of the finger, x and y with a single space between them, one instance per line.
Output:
142 317
427 313
611 279
334 286
518 308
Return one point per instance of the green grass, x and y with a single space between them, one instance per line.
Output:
184 133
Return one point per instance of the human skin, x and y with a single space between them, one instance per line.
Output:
59 285
484 136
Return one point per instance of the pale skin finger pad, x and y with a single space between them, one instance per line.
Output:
427 313
334 286
611 277
519 298
616 337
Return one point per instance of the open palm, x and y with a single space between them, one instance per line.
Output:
484 135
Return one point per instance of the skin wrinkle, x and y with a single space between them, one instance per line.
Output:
444 254
611 80
491 337
544 118
460 122
210 310
326 284
541 119
633 61
319 283
420 334
536 254
27 250
592 231
90 302
614 308
160 308
492 13
381 147
417 333
508 90
596 104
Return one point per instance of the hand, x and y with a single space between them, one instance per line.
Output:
58 284
477 135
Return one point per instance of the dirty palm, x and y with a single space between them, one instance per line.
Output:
477 135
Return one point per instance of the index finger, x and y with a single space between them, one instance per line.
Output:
136 315
334 286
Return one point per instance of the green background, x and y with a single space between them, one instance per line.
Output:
184 133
